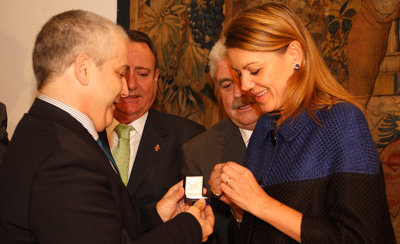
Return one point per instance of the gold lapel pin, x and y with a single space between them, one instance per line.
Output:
157 148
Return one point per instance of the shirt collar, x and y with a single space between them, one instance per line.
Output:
246 134
137 124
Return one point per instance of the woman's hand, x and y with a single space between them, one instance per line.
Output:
240 187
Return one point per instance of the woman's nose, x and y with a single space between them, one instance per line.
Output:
246 84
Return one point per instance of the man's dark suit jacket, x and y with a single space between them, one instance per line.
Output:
158 161
221 143
57 186
3 130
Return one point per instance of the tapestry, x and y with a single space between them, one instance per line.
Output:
359 40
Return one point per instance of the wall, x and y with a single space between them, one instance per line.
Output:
20 21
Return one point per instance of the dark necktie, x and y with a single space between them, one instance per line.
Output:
107 151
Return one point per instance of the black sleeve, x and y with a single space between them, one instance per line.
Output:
72 202
357 212
149 216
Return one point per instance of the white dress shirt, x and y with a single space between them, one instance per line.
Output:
246 134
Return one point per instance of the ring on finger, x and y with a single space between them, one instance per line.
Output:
227 180
216 194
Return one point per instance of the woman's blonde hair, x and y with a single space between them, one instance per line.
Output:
272 27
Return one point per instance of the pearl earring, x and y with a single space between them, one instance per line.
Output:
296 68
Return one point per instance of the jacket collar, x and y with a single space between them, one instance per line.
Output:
289 129
52 113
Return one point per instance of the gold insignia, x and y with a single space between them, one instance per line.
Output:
157 148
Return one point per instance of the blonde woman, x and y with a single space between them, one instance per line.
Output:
312 173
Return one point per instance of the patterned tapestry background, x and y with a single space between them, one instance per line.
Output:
359 40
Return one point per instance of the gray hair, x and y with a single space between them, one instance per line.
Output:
65 36
217 54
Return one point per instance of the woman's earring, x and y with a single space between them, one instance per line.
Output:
296 68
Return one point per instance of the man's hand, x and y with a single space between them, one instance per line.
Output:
215 180
172 202
205 216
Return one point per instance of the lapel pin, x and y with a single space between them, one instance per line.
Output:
157 148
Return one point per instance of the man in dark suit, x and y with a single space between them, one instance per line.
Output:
3 130
57 184
226 140
152 162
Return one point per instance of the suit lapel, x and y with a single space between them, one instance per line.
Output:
50 112
234 147
151 146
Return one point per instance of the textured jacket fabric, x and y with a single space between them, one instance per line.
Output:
330 172
57 186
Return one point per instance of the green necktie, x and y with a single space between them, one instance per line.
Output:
122 151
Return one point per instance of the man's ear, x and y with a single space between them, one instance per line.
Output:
156 75
295 53
81 64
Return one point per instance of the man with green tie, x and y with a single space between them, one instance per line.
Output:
152 162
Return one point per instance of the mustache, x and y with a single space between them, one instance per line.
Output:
242 101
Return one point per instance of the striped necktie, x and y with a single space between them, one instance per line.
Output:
107 152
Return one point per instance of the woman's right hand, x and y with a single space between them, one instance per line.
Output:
238 186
